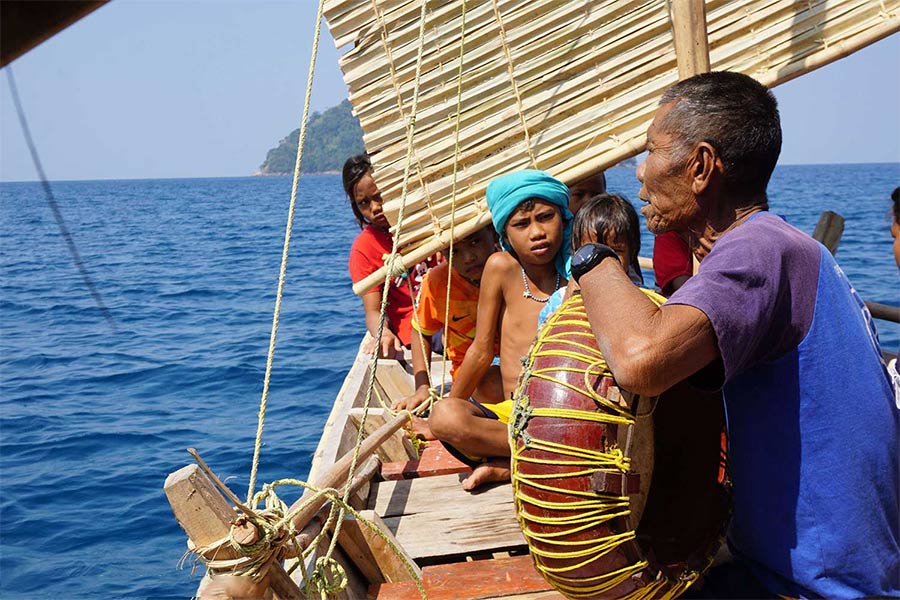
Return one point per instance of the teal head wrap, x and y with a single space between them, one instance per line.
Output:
506 193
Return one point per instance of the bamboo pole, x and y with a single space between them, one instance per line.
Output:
689 31
338 472
885 312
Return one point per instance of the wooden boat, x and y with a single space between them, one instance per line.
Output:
571 103
447 95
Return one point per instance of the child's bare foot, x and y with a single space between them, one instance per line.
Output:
494 470
419 429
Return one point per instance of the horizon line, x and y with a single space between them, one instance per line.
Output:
333 173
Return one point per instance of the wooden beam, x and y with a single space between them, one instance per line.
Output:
337 474
397 446
372 553
25 24
829 230
885 312
495 578
461 523
689 31
207 517
435 460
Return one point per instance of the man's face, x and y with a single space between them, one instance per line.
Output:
535 233
471 253
666 185
368 201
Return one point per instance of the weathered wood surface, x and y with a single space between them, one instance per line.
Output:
395 448
689 32
371 553
829 230
512 578
336 475
435 460
434 516
886 312
207 517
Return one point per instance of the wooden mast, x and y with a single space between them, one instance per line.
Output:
691 47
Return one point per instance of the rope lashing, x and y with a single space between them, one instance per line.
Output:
551 527
513 84
275 525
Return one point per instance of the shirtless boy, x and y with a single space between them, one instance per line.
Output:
530 213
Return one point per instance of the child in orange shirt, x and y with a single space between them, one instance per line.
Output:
432 316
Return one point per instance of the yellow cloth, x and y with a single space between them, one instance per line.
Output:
503 410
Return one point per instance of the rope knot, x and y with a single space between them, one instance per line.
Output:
522 413
394 265
328 577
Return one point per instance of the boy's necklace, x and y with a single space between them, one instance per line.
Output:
527 293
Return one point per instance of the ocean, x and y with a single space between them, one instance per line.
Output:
93 419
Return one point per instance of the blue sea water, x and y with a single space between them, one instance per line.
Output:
93 420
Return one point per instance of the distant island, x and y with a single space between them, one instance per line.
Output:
332 137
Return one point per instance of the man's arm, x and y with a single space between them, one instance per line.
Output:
420 370
391 347
648 348
481 352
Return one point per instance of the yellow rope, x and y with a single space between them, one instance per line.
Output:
586 509
261 418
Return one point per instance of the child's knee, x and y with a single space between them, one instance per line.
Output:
444 420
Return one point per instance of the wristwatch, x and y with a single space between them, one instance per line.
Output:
589 256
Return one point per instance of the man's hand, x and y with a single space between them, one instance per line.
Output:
413 401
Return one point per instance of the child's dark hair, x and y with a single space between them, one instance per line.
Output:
354 170
895 196
608 216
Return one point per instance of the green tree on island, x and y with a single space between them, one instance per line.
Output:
331 137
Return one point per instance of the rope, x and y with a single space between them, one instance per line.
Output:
515 86
587 509
373 363
275 525
261 419
459 78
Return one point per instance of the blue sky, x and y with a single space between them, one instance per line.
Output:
147 89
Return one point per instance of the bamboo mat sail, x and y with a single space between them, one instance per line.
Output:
588 75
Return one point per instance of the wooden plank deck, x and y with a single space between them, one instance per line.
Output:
435 517
435 460
512 578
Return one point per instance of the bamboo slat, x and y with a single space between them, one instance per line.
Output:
588 76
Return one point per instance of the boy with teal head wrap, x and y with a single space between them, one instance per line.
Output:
530 212
506 193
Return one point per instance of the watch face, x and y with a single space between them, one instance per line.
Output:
583 255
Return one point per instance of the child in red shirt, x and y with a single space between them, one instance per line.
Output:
367 256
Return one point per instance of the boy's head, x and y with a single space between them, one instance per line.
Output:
609 219
530 211
585 189
472 252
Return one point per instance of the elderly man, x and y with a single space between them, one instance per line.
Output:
771 318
